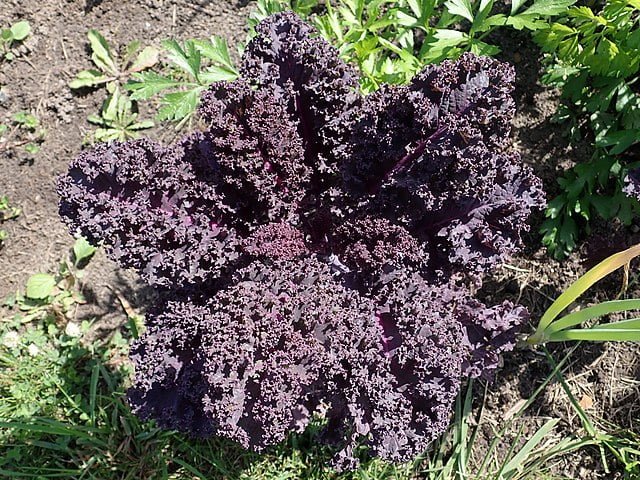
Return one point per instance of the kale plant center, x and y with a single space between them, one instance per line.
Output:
313 249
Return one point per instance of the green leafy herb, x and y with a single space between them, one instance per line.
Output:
192 67
390 40
593 58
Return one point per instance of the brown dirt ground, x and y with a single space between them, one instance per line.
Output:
37 81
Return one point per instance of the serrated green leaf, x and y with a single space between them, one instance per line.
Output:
549 7
179 105
215 49
187 59
110 107
528 21
461 8
584 12
108 135
620 140
101 55
481 48
148 84
604 206
141 125
95 119
20 30
442 43
218 74
40 286
415 7
130 50
490 22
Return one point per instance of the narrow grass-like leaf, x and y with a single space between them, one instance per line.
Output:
595 311
190 468
596 335
631 324
50 473
576 289
93 388
520 458
53 427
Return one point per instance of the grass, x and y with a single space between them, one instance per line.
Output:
63 414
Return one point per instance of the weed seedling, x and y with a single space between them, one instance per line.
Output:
118 119
110 68
7 212
24 131
12 35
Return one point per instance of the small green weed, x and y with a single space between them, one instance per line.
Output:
110 68
10 36
7 212
118 117
49 294
23 131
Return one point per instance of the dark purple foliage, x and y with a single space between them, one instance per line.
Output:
155 209
313 249
632 184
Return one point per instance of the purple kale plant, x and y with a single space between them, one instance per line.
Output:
631 186
315 250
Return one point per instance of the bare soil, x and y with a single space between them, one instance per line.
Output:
605 377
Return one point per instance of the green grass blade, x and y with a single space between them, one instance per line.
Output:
53 427
581 316
51 473
191 469
93 388
597 335
578 287
632 324
519 458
